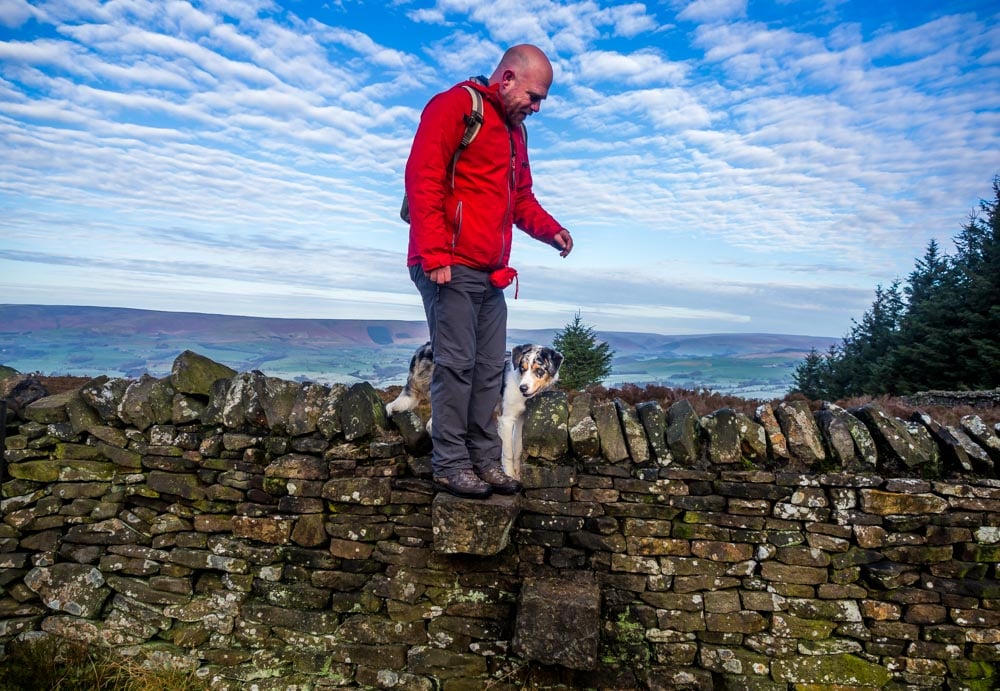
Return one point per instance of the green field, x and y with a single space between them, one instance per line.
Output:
748 377
90 341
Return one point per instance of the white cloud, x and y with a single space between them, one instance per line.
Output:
671 109
731 172
631 20
713 10
642 67
553 26
14 13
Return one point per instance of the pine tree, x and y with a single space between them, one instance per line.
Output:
979 260
808 376
932 326
586 362
865 356
944 334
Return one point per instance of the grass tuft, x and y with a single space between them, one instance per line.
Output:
56 664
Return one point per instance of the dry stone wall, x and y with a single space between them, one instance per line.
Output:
279 535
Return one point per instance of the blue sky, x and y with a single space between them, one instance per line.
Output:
724 165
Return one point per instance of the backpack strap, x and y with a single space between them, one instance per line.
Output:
473 123
474 120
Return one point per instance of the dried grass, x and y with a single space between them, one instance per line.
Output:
56 664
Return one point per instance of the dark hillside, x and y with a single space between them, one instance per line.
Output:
87 341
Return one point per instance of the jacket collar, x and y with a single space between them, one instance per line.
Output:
490 91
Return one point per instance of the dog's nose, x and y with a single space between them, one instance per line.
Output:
524 388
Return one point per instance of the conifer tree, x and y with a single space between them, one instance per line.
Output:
808 377
979 261
866 351
586 362
940 331
932 326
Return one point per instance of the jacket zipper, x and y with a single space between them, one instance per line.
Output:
511 186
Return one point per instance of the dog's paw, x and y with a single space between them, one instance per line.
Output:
511 468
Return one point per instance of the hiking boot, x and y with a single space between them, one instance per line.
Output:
464 483
501 482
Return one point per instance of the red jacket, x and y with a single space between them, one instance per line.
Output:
469 223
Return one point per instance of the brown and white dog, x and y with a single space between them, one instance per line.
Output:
529 370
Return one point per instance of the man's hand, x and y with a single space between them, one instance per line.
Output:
563 242
440 275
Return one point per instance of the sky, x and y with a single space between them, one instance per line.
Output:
732 166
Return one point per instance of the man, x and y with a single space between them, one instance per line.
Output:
461 215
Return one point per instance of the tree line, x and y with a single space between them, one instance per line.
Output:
938 329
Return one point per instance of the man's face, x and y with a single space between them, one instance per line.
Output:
522 93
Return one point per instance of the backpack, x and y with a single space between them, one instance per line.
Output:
473 122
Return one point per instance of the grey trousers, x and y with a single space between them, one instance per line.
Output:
467 319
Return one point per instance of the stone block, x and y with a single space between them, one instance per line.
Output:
273 530
306 409
891 503
959 451
443 664
147 401
74 588
609 430
277 398
364 491
722 434
328 423
112 531
472 526
899 450
362 412
194 374
62 471
777 445
654 422
829 670
805 444
584 438
243 404
298 467
309 531
633 431
980 432
558 622
104 395
20 390
545 432
411 428
753 440
859 454
185 485
185 409
50 409
684 433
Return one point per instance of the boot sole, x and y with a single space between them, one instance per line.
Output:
485 494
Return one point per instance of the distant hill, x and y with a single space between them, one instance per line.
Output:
89 341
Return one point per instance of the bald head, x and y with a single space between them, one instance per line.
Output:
524 58
524 75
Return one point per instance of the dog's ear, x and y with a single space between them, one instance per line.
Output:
557 359
517 353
